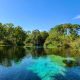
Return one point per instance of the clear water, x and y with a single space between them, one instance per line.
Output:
38 64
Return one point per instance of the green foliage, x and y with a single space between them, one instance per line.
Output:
63 35
36 38
10 35
44 35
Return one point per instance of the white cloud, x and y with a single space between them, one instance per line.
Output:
77 17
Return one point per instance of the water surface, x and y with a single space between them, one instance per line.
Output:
18 63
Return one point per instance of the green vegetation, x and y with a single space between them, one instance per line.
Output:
64 35
16 36
10 35
60 36
36 38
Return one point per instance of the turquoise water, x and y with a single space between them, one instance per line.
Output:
26 64
48 67
45 68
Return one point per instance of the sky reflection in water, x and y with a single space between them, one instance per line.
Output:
21 64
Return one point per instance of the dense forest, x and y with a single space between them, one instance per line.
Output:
11 35
62 35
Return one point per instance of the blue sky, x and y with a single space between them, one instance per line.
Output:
39 14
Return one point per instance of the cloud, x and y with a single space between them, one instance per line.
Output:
77 17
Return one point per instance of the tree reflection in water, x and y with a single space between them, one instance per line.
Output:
53 59
8 55
11 54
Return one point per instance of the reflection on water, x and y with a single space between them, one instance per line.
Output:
63 52
18 63
11 54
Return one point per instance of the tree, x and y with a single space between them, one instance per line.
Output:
36 38
11 35
62 35
19 36
44 35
